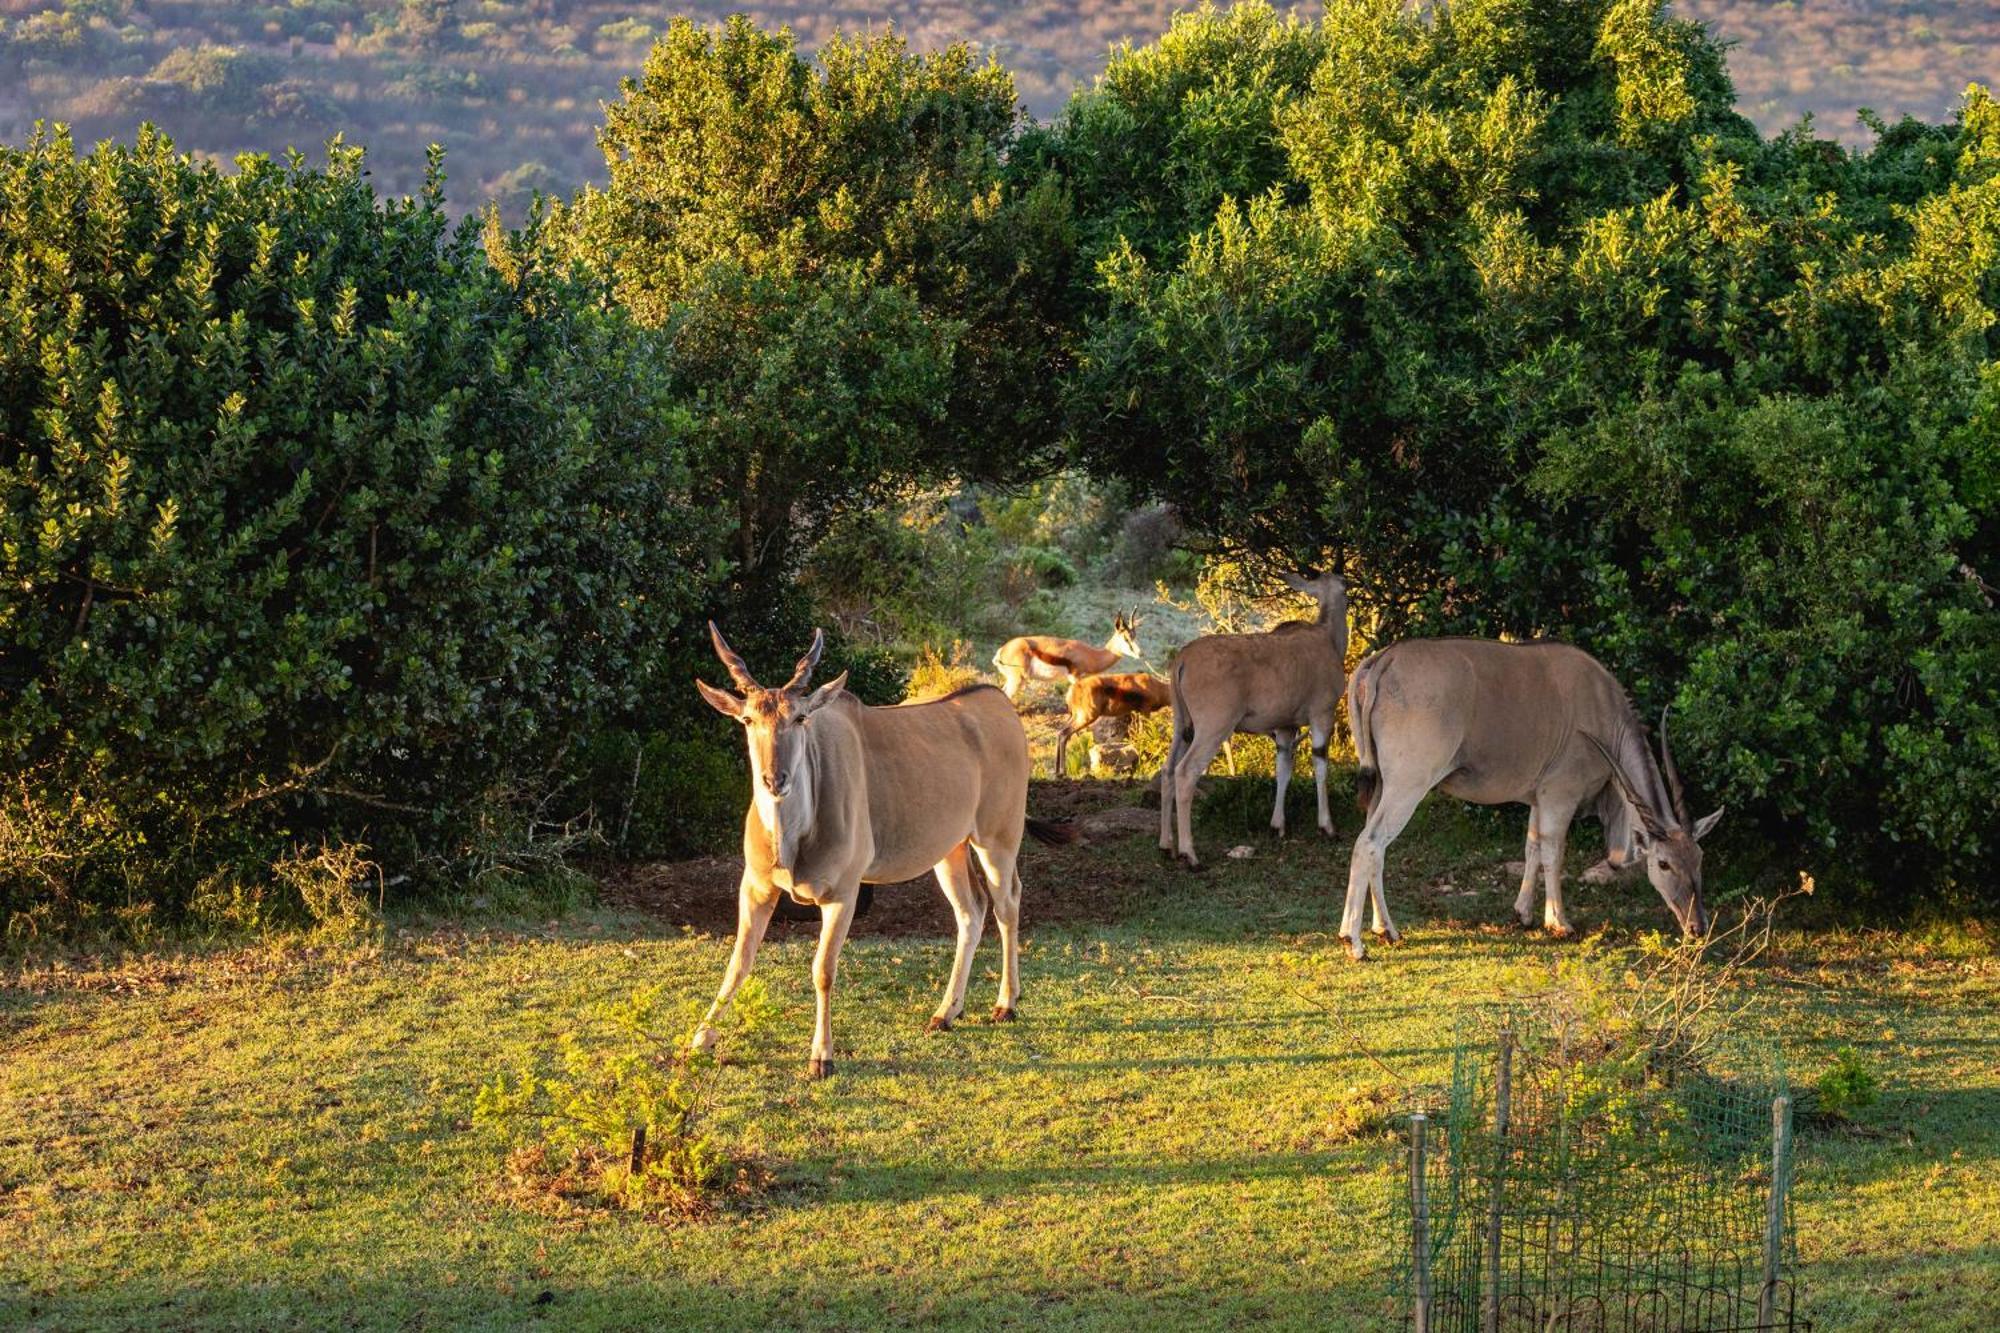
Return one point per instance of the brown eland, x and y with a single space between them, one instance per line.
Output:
1274 684
842 794
1540 723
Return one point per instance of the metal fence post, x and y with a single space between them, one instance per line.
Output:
1420 1225
1774 1217
1489 1320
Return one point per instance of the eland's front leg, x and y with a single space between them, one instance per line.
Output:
1552 826
754 906
1531 874
968 905
834 919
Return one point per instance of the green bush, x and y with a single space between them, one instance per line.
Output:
312 522
1508 310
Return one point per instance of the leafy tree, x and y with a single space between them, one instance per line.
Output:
852 294
311 521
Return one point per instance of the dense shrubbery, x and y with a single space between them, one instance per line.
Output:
1510 307
318 521
850 291
311 522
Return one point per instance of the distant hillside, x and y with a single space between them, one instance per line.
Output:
513 89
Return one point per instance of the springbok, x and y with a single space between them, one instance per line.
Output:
1271 683
1044 657
842 794
1541 723
1108 694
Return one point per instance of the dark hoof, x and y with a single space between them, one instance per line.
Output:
1389 936
1002 1014
1190 864
1561 933
1356 950
938 1025
819 1069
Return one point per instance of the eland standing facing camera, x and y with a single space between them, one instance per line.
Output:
842 794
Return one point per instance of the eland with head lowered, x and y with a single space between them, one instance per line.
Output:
1491 723
842 794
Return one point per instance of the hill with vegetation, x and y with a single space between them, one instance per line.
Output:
513 88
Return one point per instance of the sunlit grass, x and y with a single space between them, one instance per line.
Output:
1181 1131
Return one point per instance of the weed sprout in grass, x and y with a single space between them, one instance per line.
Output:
626 1121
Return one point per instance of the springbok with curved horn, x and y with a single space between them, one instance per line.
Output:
1045 657
1108 694
842 794
1272 683
1490 723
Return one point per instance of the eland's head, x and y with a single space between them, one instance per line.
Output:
1327 588
1668 841
775 722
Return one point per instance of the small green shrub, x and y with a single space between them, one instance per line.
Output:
1850 1085
626 1121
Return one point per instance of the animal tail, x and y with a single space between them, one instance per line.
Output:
1053 833
1360 700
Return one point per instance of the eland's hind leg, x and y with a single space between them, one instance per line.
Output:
1003 878
968 905
1194 763
1321 738
1287 741
1394 803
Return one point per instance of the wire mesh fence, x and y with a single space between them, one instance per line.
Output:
1565 1186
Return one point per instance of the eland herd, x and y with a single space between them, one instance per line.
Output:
844 794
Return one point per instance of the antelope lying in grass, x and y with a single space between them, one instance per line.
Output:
1110 694
1272 683
1044 657
843 794
1542 723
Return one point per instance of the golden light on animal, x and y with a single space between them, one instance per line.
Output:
842 794
1108 694
1045 657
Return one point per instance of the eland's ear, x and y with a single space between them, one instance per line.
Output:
1707 822
722 701
822 696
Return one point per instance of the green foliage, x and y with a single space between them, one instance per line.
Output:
1848 1086
311 521
1518 319
627 1118
851 293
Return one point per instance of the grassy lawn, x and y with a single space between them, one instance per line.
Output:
277 1136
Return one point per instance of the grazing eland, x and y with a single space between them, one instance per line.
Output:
1272 684
842 794
1541 723
1045 657
1108 694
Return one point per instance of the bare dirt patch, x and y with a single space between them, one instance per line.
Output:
1072 883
